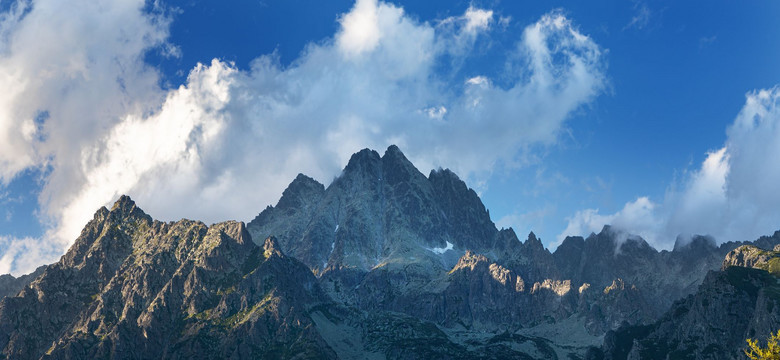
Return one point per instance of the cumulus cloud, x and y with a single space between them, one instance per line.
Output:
227 142
477 19
732 195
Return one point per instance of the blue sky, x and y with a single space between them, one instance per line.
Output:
667 125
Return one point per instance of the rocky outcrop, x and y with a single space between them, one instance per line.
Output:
740 301
753 257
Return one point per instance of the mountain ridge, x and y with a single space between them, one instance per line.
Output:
384 262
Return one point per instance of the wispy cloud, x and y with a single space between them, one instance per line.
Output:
227 142
707 41
641 17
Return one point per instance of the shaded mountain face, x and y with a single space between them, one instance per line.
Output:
740 301
381 208
382 263
383 237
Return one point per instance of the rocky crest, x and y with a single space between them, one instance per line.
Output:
740 301
750 256
146 289
383 237
382 263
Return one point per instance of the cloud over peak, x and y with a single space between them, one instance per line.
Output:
227 142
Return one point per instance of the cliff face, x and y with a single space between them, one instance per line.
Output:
380 209
740 301
383 237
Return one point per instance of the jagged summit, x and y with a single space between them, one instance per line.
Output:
394 153
126 208
155 290
299 190
363 160
271 247
533 241
125 202
383 262
381 207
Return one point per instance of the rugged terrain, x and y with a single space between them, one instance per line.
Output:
384 262
740 301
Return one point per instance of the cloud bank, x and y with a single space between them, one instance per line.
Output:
85 107
732 195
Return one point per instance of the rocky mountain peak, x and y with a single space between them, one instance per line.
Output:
271 247
125 208
397 169
393 153
299 192
533 242
363 161
750 256
470 221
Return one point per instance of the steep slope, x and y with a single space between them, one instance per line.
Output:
386 263
657 278
146 289
379 210
741 301
383 237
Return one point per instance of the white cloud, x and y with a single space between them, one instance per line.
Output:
226 143
641 17
360 28
636 217
731 196
23 255
477 19
69 71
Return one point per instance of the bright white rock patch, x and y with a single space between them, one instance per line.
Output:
442 250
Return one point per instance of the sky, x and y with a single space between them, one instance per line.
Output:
661 118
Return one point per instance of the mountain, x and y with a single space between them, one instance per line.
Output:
147 289
384 262
384 237
740 301
381 208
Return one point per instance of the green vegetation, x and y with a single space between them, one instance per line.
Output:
771 351
772 266
242 316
